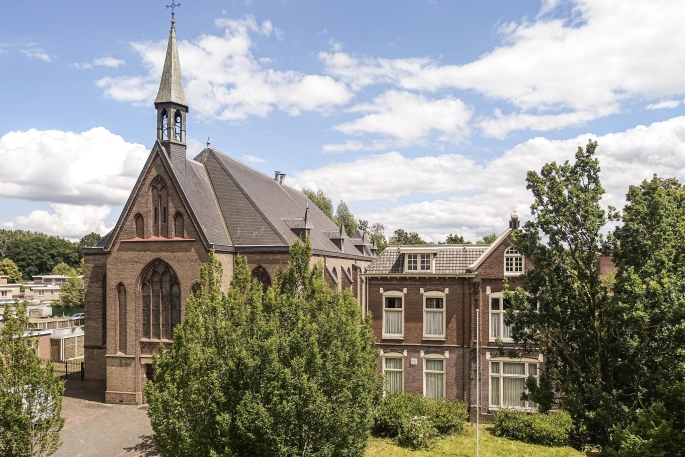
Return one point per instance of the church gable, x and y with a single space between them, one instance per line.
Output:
155 211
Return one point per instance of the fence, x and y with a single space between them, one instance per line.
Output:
70 369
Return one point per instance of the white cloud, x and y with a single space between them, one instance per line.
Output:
108 62
409 118
335 45
664 104
95 167
36 53
553 73
482 195
253 159
69 221
225 81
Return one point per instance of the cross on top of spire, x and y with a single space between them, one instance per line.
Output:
173 6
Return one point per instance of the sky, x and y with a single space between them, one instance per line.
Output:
419 114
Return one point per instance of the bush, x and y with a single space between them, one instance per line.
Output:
397 411
544 429
418 434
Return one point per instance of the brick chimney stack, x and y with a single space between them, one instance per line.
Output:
514 221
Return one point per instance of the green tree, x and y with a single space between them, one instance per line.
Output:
89 240
363 226
37 253
8 268
289 372
30 394
343 215
487 239
402 237
377 235
320 199
564 307
72 292
63 269
455 239
649 291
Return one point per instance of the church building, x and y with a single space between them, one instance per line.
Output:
137 279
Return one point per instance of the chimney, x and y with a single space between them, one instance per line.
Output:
514 221
281 177
276 175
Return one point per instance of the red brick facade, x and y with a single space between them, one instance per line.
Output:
464 294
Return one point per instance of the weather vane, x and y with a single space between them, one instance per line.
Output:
173 6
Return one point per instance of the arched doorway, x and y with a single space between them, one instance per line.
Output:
161 296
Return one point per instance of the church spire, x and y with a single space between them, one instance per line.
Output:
171 86
171 105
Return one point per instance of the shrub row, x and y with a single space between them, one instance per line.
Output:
416 420
550 429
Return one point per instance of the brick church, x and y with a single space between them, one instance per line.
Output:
432 305
137 279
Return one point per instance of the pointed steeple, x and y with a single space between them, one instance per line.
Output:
171 86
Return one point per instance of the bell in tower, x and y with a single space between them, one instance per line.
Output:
171 105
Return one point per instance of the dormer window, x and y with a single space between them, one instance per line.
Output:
419 262
513 262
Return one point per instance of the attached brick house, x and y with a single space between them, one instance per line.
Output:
137 279
423 300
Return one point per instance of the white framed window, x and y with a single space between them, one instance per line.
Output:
52 292
41 293
513 262
498 307
3 293
412 262
508 383
434 376
426 264
434 315
393 315
393 369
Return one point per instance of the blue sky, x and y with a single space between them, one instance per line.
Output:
419 114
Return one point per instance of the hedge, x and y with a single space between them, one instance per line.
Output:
550 429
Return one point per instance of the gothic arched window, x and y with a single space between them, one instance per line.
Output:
161 301
160 200
121 295
140 226
178 126
178 225
261 275
165 125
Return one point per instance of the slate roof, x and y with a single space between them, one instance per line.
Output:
448 260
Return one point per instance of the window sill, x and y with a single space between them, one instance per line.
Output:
434 338
513 274
153 340
508 340
393 337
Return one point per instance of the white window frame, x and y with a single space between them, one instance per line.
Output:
393 355
529 406
41 293
3 293
500 297
419 257
443 372
514 255
394 294
406 261
435 294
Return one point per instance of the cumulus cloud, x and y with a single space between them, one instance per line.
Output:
482 195
223 80
69 221
408 119
36 53
552 72
95 167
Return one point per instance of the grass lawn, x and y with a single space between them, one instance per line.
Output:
465 445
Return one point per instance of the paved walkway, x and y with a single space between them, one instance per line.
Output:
95 429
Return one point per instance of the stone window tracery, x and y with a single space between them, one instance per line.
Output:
261 275
161 296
